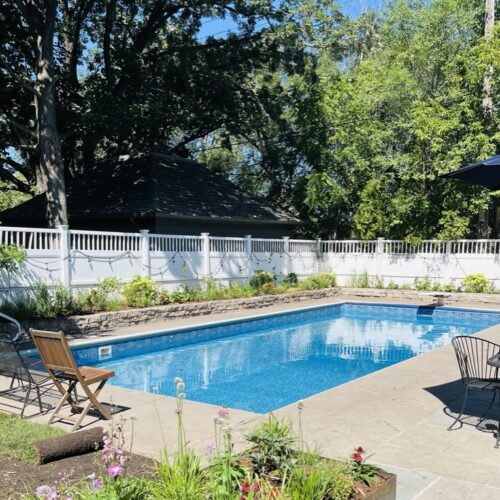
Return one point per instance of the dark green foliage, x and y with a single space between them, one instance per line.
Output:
291 279
262 278
274 444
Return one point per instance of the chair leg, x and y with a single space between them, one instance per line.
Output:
483 416
462 410
93 402
26 400
497 444
66 397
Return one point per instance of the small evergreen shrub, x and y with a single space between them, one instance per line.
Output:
142 291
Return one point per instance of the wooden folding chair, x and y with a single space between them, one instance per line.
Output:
61 366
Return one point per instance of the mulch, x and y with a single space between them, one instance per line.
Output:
18 478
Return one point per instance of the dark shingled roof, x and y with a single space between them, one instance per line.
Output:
154 184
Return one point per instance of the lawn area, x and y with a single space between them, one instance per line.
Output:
18 436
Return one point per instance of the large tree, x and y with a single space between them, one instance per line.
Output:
85 78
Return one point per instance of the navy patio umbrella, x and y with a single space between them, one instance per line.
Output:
485 173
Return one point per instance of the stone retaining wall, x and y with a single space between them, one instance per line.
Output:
93 324
101 322
455 298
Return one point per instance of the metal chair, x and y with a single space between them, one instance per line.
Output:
472 355
25 378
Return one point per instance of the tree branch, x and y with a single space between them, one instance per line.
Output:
21 82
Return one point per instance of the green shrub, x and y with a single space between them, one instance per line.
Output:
329 479
360 281
422 284
291 279
53 303
260 278
318 281
179 296
142 291
273 444
267 288
378 282
19 307
476 283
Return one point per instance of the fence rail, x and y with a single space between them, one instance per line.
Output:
83 258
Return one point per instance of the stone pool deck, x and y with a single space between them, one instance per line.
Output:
397 413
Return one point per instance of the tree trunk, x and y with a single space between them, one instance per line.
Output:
489 24
50 173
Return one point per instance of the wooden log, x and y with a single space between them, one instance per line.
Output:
75 443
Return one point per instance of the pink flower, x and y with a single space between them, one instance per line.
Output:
357 457
115 470
223 413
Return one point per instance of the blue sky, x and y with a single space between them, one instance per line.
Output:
352 8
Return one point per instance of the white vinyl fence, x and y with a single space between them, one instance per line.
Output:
83 258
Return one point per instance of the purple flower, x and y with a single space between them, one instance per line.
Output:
97 484
209 449
223 413
115 470
45 492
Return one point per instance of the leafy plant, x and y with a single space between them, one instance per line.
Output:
422 284
362 470
11 256
181 477
360 280
476 283
318 281
142 291
273 444
291 279
261 278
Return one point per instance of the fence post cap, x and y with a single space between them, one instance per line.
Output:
205 234
144 231
248 235
63 227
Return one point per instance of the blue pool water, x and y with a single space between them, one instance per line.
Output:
263 364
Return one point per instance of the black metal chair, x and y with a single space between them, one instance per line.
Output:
472 355
25 378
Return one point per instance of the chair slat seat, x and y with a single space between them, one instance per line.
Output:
92 375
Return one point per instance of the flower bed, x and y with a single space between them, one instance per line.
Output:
277 464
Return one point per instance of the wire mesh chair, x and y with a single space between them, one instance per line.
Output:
24 378
472 355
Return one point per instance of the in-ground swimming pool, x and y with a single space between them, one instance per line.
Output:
263 363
